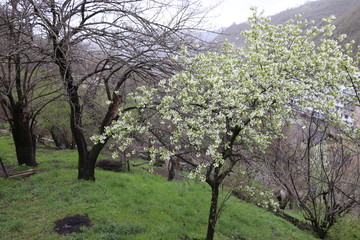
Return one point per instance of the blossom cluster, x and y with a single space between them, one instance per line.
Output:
237 98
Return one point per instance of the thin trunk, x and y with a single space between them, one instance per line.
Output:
171 169
55 138
3 168
213 211
128 164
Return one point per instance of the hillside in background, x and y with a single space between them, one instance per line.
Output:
347 21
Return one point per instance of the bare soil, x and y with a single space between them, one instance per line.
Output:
72 224
110 165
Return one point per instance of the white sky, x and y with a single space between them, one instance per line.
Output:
230 11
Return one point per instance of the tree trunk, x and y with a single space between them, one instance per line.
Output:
85 172
87 159
319 230
171 169
213 211
85 168
24 139
92 158
55 138
87 165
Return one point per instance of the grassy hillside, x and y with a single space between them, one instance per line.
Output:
136 205
346 11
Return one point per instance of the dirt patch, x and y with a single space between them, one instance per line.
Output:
110 165
72 224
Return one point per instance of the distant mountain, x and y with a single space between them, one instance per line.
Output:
347 13
209 36
349 23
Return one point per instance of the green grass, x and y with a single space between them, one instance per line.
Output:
136 205
345 228
7 150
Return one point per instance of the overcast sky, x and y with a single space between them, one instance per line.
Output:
237 11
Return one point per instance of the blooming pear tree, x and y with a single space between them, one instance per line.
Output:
230 103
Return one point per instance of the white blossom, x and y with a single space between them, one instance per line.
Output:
253 88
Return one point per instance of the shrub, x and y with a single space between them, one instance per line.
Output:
345 228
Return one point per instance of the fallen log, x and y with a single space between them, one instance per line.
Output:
25 173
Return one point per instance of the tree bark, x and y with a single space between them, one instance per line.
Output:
24 139
213 211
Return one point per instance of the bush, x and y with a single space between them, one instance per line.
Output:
248 190
257 196
345 228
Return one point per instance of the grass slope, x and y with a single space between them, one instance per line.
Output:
136 205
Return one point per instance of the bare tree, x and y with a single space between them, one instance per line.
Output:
24 77
109 43
318 170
